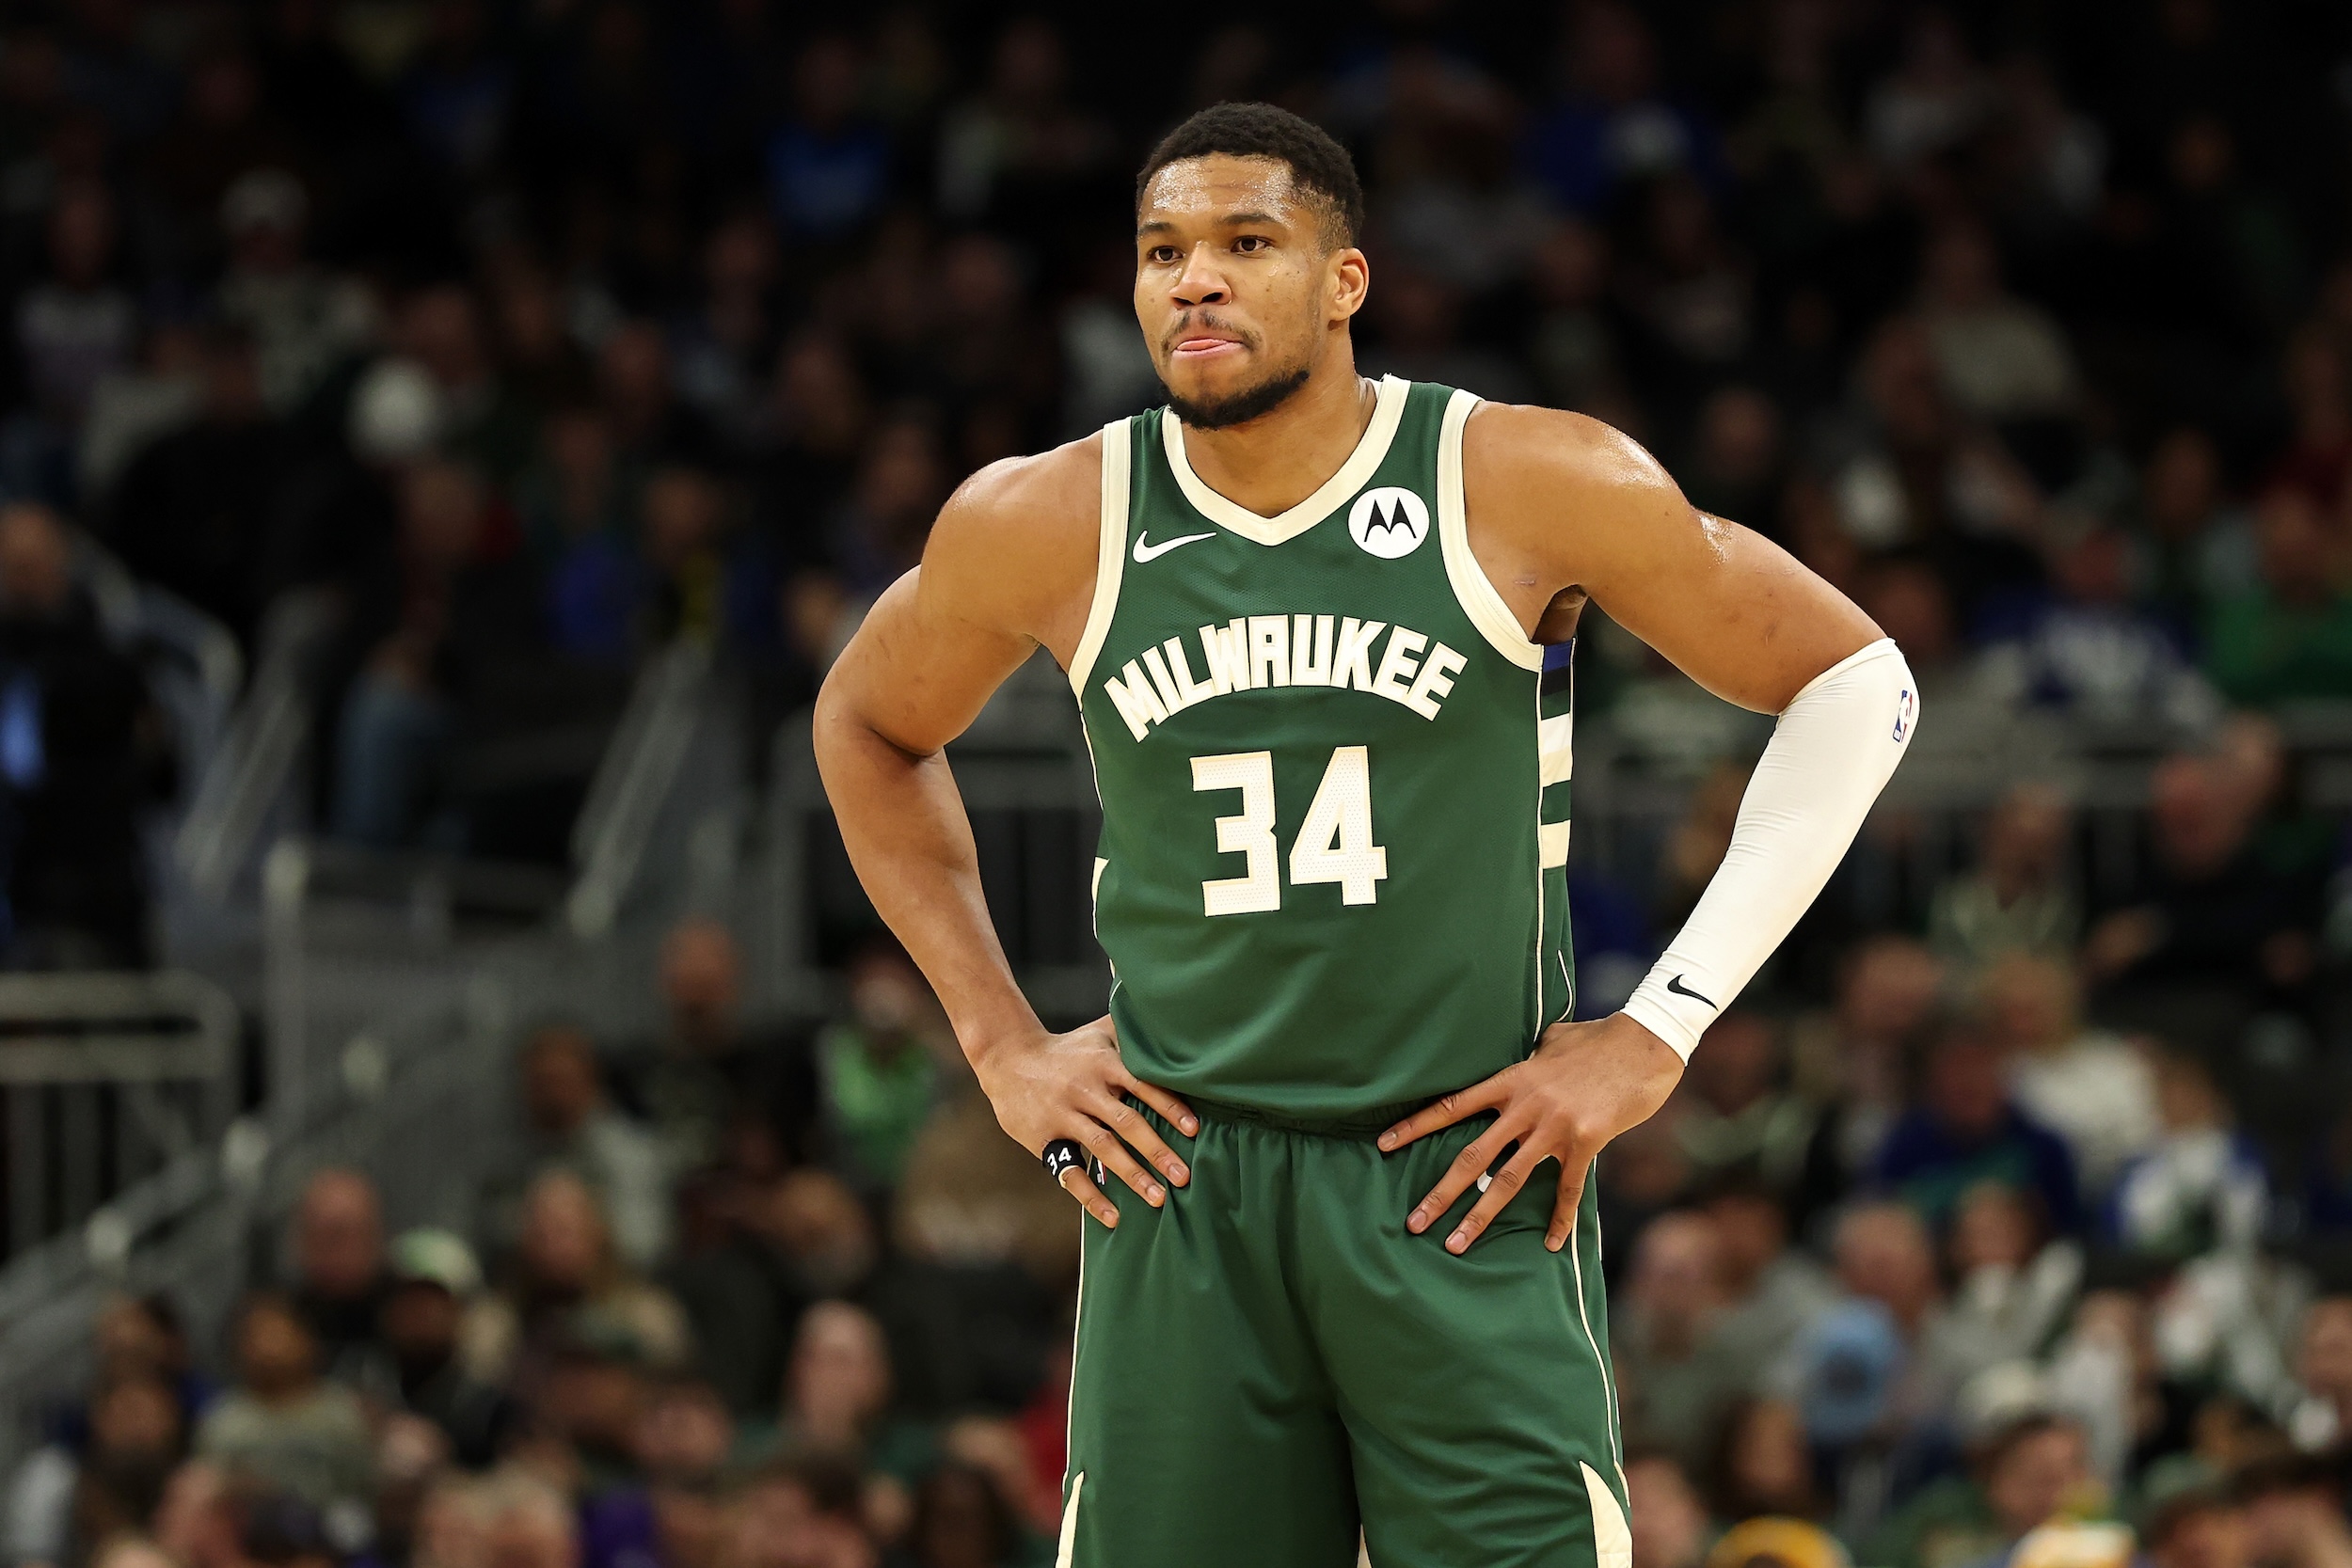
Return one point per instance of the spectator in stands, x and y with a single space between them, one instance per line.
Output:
965 1196
2203 544
879 531
1872 1375
1889 996
837 1399
2021 896
568 1286
303 321
197 1522
2203 1185
1677 1380
650 426
2093 1088
1615 125
878 1067
578 529
1740 1116
1668 1517
1999 360
528 1523
2294 1514
963 1521
2199 1522
1762 1467
82 752
740 1289
435 622
62 1504
192 512
1020 145
433 1282
71 328
706 1081
828 166
2087 650
2014 1283
1967 1128
1772 1292
486 429
283 1427
679 1446
572 1127
340 1281
2290 635
2322 1414
705 583
2207 916
2020 1475
130 1549
144 1337
786 1514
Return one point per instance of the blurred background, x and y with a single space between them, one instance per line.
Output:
456 1110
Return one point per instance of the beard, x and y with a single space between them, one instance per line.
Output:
1242 406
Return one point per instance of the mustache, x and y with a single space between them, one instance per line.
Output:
1206 321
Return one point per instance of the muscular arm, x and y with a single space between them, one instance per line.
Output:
1010 566
1562 509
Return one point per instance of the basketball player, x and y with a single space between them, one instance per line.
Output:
1337 1127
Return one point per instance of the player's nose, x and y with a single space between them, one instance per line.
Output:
1201 282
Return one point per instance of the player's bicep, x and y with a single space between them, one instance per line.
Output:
921 666
1728 608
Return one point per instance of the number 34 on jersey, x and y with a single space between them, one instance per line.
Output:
1334 843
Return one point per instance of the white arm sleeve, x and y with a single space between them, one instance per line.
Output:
1835 748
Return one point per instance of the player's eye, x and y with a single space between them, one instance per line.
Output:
1161 255
1249 244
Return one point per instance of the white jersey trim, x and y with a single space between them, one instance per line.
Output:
1476 595
1612 1538
1067 1551
1110 552
1386 414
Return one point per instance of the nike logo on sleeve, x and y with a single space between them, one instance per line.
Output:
1676 987
1146 550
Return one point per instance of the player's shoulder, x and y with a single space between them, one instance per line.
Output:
1510 446
1015 544
1038 498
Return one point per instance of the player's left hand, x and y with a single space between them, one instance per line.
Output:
1585 1083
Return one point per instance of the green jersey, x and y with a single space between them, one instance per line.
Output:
1334 779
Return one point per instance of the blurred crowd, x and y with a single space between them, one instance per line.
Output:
2006 1222
729 1300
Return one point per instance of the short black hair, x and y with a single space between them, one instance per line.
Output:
1318 164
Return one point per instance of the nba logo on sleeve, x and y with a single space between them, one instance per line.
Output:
1906 711
1389 522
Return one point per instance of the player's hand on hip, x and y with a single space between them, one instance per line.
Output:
1048 1086
1585 1083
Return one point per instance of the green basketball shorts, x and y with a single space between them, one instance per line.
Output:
1271 1364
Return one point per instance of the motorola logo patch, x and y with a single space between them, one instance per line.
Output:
1389 522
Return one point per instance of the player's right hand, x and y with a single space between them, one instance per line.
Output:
1046 1087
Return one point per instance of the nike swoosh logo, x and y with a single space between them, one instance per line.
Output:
1146 550
1676 987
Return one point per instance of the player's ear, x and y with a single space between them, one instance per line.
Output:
1350 277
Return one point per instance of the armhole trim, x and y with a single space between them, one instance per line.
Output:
1472 590
1110 552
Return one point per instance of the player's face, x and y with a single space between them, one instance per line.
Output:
1235 290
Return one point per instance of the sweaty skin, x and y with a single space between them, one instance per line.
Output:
1238 283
